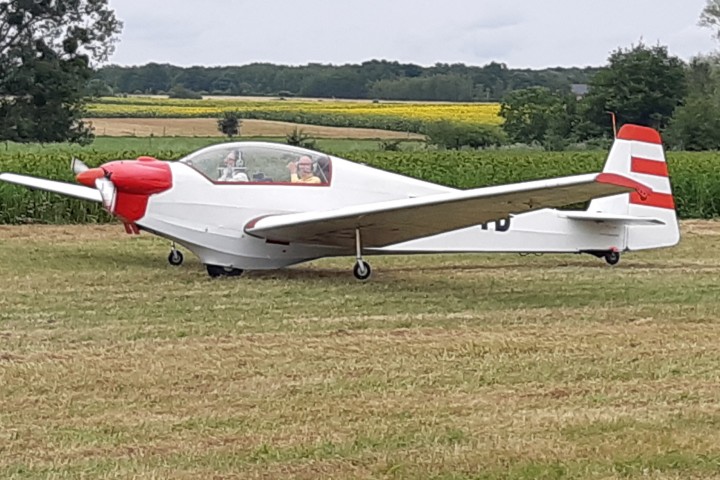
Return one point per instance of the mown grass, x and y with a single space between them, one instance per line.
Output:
115 365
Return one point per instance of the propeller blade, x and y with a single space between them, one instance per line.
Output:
108 192
78 166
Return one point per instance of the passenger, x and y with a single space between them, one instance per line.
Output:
322 168
233 170
301 172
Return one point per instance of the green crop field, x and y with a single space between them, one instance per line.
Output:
115 365
695 175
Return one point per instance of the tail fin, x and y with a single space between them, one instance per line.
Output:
638 153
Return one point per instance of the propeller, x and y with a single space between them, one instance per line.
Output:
139 179
108 192
78 166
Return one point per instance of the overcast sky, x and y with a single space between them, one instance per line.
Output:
520 33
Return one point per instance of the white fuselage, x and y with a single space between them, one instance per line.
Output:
261 205
209 219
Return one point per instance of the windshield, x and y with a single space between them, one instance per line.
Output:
261 163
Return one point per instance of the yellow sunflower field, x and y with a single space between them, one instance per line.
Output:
404 116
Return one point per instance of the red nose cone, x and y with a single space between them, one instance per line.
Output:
135 181
89 176
144 177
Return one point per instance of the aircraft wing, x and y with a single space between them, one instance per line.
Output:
77 191
387 223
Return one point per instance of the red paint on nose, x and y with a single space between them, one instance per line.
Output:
145 176
134 180
89 176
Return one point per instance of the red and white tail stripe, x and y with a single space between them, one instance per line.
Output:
638 153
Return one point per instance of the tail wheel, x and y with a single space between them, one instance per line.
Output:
612 257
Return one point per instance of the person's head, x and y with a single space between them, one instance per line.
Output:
230 159
305 165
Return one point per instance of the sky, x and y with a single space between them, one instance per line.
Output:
519 33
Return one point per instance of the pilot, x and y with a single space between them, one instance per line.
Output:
233 171
301 172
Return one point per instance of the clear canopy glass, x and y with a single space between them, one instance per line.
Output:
255 162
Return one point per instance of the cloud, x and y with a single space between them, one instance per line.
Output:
475 32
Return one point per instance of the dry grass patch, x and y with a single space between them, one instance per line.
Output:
207 127
116 365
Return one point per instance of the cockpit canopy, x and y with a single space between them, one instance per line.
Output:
256 162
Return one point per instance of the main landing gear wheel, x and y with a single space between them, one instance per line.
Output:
175 258
362 270
612 258
217 271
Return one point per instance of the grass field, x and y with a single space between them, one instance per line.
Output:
115 365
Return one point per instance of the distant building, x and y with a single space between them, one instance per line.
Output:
579 89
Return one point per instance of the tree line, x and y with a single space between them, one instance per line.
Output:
374 79
642 84
48 49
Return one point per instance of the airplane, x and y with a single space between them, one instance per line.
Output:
253 205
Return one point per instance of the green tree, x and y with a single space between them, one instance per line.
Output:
179 91
641 85
530 113
451 88
710 17
97 88
454 135
372 79
695 125
229 124
46 51
155 78
299 138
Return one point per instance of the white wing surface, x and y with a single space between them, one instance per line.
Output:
77 191
391 222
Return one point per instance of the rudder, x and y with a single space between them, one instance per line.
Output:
637 152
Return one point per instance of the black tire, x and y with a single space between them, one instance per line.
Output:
362 270
232 272
175 258
216 271
612 258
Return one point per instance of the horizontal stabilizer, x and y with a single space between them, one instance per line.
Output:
611 218
77 191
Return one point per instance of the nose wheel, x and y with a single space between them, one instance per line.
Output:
176 257
362 269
